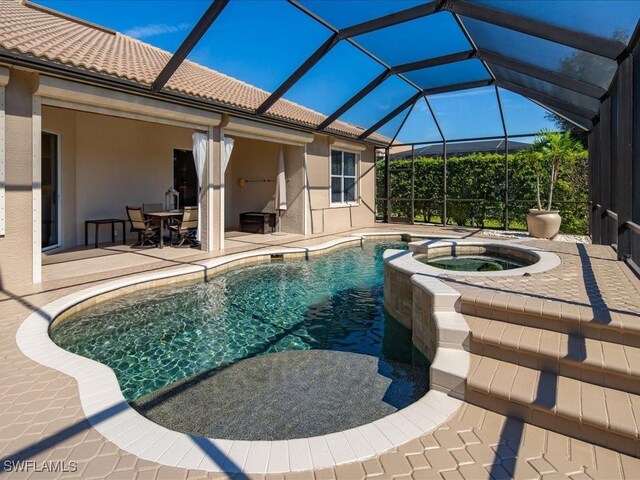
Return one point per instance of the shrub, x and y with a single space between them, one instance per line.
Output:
480 177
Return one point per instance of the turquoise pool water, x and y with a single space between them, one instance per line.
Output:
472 263
154 338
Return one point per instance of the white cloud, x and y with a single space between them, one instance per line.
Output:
155 29
470 92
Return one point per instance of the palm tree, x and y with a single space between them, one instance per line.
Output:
556 147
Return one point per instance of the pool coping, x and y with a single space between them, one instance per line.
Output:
546 260
109 413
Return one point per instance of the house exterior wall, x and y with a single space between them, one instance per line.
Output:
293 219
256 161
109 163
16 251
322 216
122 162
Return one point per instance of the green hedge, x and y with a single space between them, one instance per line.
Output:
480 176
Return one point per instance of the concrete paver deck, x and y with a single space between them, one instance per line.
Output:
41 418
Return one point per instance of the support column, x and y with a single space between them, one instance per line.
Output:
20 244
221 206
36 190
605 172
594 188
506 183
211 200
413 185
4 79
293 218
597 236
444 191
624 169
387 187
305 192
635 140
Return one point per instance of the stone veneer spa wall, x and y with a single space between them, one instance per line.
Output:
429 307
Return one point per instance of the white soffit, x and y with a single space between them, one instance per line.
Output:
64 93
242 127
340 144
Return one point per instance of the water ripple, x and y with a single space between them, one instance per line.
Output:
154 338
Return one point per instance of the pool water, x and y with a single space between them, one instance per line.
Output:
473 263
334 302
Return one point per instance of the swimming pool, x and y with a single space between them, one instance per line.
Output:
154 338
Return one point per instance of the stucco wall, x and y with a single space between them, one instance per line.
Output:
123 162
16 253
256 161
324 218
293 218
109 163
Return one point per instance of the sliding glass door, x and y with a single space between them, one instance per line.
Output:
185 179
50 175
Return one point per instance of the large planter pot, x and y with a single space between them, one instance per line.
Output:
543 223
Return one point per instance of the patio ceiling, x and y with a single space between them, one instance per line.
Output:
561 55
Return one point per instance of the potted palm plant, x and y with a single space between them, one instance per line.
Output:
553 148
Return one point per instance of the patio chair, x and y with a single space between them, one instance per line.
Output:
148 233
186 228
153 207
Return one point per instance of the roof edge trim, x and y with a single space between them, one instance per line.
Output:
56 13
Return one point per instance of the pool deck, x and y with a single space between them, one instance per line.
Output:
41 418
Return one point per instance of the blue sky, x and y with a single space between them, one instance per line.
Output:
240 45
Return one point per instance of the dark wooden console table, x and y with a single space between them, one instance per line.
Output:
103 221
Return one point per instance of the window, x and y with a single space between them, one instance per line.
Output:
344 171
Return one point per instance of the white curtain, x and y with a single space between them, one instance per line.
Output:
199 158
281 185
228 148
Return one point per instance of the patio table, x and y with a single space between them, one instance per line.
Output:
162 216
103 221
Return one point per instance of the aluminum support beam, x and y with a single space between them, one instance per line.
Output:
299 73
207 19
549 76
554 33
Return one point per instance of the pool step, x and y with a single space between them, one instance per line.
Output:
593 413
568 318
586 359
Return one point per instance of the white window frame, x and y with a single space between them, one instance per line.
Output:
356 179
59 205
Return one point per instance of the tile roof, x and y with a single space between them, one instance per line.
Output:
47 35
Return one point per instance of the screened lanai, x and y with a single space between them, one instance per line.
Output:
439 74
